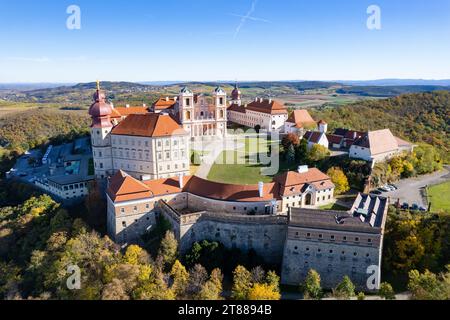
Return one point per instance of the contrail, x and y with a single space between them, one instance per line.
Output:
250 18
245 18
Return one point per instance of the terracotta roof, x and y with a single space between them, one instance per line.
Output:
267 106
230 192
301 118
313 136
236 108
148 125
126 111
380 141
123 187
292 178
293 182
166 186
164 103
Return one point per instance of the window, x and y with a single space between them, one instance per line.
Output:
356 239
369 240
135 208
188 102
308 235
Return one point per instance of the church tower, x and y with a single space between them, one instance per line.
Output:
186 109
220 108
100 112
236 95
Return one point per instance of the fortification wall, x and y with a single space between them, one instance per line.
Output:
266 235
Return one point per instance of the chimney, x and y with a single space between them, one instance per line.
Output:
303 169
270 100
261 189
354 135
167 98
256 99
112 105
144 105
175 99
127 106
181 181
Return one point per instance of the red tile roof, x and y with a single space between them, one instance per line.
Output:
334 139
126 111
236 108
293 182
149 125
164 103
301 118
123 187
267 106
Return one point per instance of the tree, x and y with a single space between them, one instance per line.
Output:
345 289
311 287
290 154
197 279
317 153
386 291
242 283
290 139
169 249
428 286
212 289
301 151
136 255
339 179
263 291
180 278
115 290
273 280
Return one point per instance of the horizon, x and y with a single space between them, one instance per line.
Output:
247 41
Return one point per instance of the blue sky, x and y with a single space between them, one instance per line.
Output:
208 40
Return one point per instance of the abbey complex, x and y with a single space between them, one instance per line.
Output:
144 153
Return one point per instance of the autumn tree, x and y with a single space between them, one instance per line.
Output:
311 287
345 289
197 279
317 153
180 278
169 249
263 291
212 289
429 286
339 179
242 283
386 291
290 139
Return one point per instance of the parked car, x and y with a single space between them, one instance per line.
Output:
423 209
384 188
393 186
377 192
414 207
405 206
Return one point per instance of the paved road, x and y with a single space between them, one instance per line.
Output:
410 189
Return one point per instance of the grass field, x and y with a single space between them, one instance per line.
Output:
239 166
439 196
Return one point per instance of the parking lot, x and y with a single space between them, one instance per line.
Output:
410 190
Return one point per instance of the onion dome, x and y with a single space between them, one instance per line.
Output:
100 108
219 90
185 90
236 93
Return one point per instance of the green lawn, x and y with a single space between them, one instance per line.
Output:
439 196
239 166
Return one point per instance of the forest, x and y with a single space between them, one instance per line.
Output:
418 117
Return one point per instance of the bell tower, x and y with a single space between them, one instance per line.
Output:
100 112
220 104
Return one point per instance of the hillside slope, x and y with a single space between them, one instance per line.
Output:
419 117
